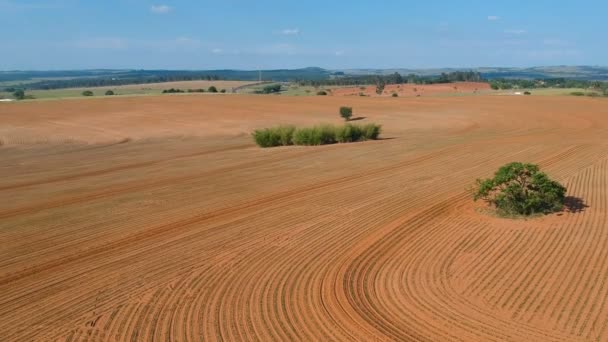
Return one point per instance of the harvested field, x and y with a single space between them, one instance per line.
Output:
158 219
414 90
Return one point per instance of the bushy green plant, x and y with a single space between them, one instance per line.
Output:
285 134
109 93
348 133
275 136
272 88
346 113
527 93
395 95
316 135
19 94
322 93
87 93
521 189
577 93
212 89
370 131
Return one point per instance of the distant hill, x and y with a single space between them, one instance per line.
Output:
571 72
111 77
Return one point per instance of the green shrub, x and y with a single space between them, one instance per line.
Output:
316 135
275 136
371 131
272 88
521 189
348 133
109 93
527 93
212 89
577 93
19 94
395 95
87 93
172 91
346 113
223 91
322 93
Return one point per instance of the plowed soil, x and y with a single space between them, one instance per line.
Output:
158 219
416 90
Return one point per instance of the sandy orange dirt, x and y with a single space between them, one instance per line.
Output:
157 219
415 90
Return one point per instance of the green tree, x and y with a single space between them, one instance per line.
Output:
346 113
109 93
521 189
19 94
380 86
212 89
272 88
87 93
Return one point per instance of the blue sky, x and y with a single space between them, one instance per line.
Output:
189 34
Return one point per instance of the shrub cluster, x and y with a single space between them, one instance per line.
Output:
521 189
316 135
172 91
87 93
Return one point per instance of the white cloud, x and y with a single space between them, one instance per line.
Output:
160 9
291 32
515 31
493 17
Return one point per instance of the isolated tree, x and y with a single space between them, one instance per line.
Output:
19 94
346 113
212 89
87 93
380 86
109 93
223 91
322 93
272 88
521 189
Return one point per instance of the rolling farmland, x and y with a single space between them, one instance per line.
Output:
157 219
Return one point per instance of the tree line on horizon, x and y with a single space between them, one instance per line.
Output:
396 78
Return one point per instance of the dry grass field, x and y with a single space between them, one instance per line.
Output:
132 89
157 219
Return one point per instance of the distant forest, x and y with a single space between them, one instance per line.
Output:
396 78
499 78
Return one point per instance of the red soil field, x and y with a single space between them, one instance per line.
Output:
415 90
158 219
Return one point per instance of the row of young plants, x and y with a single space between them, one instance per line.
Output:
317 135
